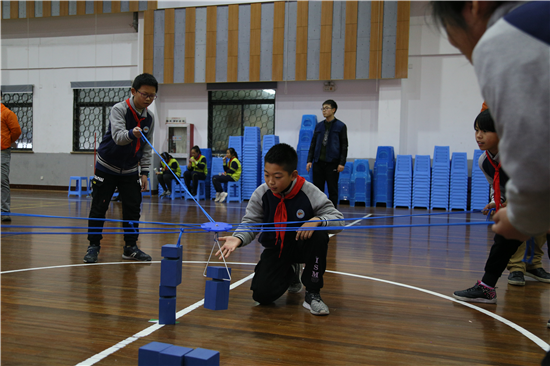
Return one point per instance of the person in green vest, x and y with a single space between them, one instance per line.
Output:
196 170
232 173
164 176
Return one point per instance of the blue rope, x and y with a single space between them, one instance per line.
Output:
177 179
106 220
529 247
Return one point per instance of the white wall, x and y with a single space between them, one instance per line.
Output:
51 53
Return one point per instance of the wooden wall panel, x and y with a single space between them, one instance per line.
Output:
277 62
375 59
46 9
233 43
115 7
14 9
152 5
148 40
325 62
189 73
402 39
134 6
81 8
98 7
350 57
255 41
211 30
301 40
30 9
169 15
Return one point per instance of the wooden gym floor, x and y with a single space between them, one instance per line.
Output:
388 291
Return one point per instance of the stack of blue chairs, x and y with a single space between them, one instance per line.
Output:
384 168
269 142
421 181
480 187
215 168
458 193
208 181
236 142
402 194
306 134
251 161
441 170
344 182
360 183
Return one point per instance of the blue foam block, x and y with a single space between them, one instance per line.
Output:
167 291
202 357
217 273
167 310
174 356
171 251
148 355
170 272
216 295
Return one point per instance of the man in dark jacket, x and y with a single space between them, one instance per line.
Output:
328 151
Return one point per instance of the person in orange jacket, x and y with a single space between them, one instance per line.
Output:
10 133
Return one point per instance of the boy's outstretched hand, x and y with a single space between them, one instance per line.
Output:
303 233
230 244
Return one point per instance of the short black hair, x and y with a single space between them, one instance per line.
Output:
145 79
167 157
446 13
232 152
485 122
197 149
332 104
283 155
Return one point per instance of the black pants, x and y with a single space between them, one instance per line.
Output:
273 274
189 175
501 252
217 180
327 172
165 180
129 191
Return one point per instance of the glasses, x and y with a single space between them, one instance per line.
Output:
326 109
147 96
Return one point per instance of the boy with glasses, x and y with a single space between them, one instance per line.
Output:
123 162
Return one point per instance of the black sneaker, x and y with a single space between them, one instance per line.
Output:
296 285
315 304
516 278
134 253
91 255
6 218
539 274
478 293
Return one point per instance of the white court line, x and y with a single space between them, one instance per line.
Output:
144 333
542 344
98 357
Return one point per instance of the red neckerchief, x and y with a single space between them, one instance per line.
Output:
280 212
496 180
138 120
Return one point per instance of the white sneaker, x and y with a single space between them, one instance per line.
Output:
223 195
217 197
168 193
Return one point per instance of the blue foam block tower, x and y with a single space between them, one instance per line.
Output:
149 355
170 278
173 356
216 291
202 357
